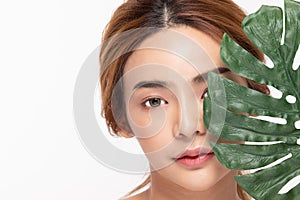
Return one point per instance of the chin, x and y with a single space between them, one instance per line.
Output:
199 180
199 184
197 187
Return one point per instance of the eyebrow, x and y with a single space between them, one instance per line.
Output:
163 84
151 84
202 77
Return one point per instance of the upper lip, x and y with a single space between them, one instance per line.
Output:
195 152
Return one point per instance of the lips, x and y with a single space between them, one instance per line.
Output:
194 158
195 152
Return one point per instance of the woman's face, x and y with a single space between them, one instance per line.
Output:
164 87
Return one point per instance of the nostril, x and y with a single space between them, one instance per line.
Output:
180 135
200 132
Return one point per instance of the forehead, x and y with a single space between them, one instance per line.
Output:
184 49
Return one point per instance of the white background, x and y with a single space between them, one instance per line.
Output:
43 45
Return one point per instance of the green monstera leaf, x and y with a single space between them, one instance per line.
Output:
226 107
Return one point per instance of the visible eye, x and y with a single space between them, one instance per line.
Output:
204 94
154 102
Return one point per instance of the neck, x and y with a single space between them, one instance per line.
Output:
163 189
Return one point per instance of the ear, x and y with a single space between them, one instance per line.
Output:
125 134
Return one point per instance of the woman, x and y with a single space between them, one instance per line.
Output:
154 61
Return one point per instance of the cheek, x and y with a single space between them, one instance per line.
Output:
137 116
164 136
146 123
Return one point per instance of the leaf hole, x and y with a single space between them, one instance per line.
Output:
269 63
290 99
277 162
275 93
276 120
262 143
290 185
297 125
298 141
296 63
283 24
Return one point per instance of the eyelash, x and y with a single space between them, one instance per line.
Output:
205 93
147 101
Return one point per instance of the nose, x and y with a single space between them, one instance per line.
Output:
191 118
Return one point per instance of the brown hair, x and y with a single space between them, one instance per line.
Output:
125 31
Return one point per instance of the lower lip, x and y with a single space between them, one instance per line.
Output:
195 161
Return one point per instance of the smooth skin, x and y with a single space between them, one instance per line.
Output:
173 180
